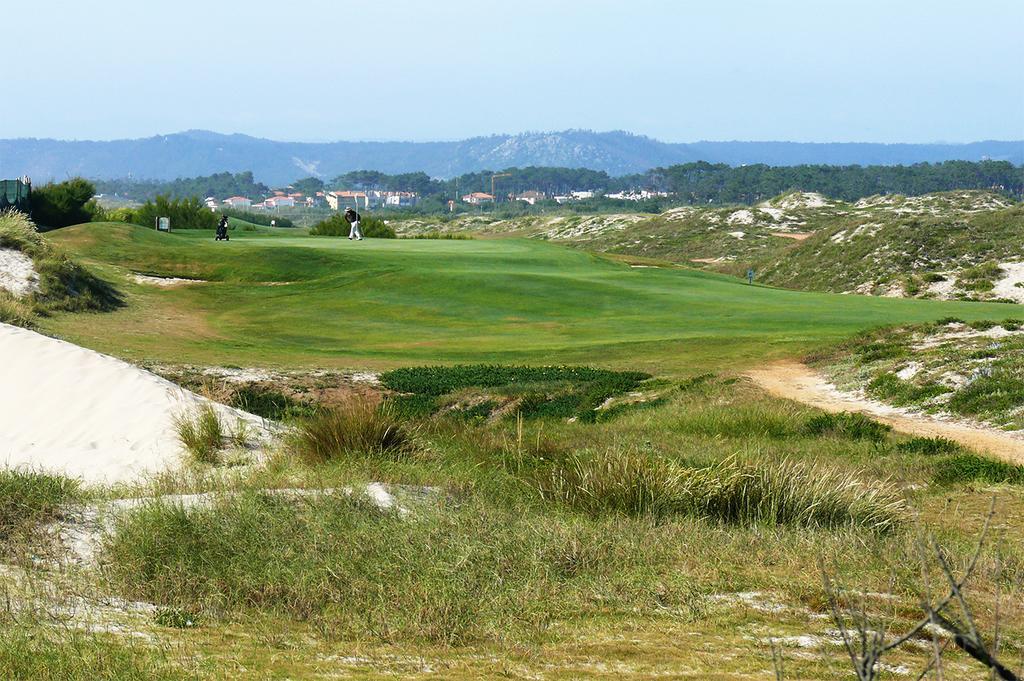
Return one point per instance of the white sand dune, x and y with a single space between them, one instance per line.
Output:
67 409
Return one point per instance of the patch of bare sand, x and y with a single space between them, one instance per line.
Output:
798 382
797 236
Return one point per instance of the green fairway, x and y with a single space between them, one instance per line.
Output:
294 300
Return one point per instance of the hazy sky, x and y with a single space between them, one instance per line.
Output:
856 70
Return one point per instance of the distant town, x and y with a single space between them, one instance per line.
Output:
340 199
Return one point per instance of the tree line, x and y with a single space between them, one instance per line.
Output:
693 183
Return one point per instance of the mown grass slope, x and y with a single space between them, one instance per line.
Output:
299 300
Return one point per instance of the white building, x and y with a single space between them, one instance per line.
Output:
477 198
238 202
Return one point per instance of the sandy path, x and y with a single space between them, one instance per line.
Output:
798 382
70 410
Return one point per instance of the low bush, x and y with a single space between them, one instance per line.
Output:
28 498
358 428
201 432
929 446
973 468
336 225
850 425
777 493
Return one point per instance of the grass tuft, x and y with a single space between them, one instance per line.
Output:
356 428
973 468
850 425
201 433
28 498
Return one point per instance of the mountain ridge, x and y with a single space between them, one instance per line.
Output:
200 152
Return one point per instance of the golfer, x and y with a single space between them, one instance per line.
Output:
352 218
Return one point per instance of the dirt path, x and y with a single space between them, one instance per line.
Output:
798 382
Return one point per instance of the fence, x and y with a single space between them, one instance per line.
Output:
15 194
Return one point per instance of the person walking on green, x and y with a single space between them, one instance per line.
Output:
750 275
352 218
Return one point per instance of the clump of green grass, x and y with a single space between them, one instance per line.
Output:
929 446
455 236
973 468
850 425
201 433
888 386
15 311
1000 391
776 493
29 498
752 421
358 428
47 653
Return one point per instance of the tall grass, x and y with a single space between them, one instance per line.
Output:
201 432
766 493
41 653
29 498
15 311
358 427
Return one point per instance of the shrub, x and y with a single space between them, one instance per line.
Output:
971 467
739 422
28 498
61 204
850 425
356 428
336 225
777 493
929 446
452 236
201 433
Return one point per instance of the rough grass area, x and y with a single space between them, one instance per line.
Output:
43 653
765 494
968 370
64 284
29 499
533 392
358 428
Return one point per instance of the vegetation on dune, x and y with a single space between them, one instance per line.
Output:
782 493
30 498
201 432
358 428
533 392
63 284
969 370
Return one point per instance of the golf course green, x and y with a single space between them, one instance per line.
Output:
281 298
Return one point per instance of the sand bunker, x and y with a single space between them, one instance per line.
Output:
70 410
17 274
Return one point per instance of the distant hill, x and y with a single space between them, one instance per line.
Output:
198 152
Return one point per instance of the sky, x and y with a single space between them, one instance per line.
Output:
675 70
